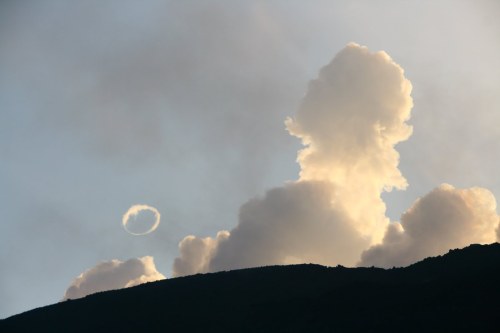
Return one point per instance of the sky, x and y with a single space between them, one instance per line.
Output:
183 106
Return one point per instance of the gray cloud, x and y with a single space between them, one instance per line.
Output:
444 219
292 224
114 274
197 253
127 88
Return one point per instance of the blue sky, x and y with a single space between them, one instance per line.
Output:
181 106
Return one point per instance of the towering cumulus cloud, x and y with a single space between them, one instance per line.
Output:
444 219
113 274
351 118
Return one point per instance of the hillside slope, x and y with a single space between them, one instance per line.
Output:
457 292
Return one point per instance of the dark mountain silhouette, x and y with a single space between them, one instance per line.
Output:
456 292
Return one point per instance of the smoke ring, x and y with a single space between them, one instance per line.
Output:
133 211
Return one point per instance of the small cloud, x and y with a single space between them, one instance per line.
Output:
114 274
196 253
134 211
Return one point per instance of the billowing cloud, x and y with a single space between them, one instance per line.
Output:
294 223
444 219
114 274
197 253
351 118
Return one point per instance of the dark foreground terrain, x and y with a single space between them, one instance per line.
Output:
457 292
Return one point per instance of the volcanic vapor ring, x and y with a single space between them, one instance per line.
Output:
133 211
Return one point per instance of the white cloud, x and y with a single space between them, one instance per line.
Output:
135 210
114 274
444 219
350 119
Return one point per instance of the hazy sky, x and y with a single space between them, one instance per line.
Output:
181 105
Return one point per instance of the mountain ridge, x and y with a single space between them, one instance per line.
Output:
458 291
